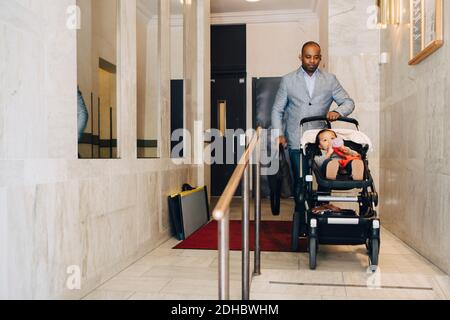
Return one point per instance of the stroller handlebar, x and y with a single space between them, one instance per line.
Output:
322 118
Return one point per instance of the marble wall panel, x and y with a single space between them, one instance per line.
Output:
354 59
414 137
3 245
22 230
100 215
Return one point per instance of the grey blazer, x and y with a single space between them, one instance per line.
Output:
293 103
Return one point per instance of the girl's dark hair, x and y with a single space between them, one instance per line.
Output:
320 133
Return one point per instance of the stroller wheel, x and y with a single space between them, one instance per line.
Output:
374 252
312 253
295 232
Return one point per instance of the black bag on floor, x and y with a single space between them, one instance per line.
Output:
281 183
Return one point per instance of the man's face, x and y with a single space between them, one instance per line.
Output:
311 58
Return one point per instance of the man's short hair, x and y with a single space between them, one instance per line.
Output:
310 43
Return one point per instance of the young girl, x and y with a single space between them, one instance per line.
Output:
335 158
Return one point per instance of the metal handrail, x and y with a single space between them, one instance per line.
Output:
221 213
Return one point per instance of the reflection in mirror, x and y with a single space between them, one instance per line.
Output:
148 122
177 71
97 79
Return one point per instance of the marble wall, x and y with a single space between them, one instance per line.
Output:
354 57
415 165
57 211
323 13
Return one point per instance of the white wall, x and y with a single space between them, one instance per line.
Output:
273 48
322 12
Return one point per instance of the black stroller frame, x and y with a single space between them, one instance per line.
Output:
343 228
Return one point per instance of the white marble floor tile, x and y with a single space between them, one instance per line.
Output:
198 287
165 252
199 253
298 290
235 264
169 244
443 284
255 296
191 273
389 279
338 262
171 296
147 285
179 261
109 295
346 298
391 294
134 271
410 263
300 277
280 260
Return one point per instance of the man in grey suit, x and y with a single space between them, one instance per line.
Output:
307 92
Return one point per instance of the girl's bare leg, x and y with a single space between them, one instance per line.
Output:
333 169
358 170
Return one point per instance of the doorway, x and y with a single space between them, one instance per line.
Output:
228 99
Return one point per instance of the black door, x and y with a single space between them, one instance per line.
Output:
228 111
177 112
228 97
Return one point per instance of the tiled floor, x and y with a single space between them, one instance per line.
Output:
167 274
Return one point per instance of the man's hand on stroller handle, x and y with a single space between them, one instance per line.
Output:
333 116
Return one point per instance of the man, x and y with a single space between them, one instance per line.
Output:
307 92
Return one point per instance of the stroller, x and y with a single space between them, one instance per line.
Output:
337 227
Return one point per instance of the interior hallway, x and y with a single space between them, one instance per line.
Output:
167 274
64 218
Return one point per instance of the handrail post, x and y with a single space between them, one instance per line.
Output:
246 235
224 258
221 214
257 267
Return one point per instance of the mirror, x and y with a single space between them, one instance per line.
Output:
147 35
177 72
97 79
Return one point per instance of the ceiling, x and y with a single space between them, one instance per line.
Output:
150 7
224 6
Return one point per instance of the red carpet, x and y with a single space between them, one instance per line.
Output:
275 237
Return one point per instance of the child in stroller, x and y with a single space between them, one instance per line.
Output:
336 157
350 173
